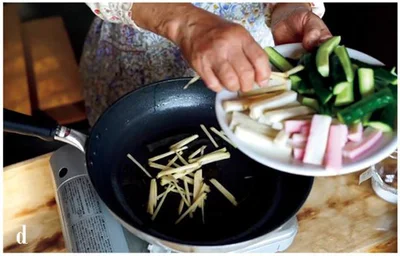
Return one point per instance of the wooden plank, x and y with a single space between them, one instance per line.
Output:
68 114
16 90
342 216
29 199
338 216
54 69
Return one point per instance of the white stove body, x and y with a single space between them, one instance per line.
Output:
88 225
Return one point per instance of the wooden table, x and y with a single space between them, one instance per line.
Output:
16 93
339 215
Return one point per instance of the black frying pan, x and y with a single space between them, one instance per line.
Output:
144 123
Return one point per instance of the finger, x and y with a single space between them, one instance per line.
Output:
314 31
211 80
311 38
285 35
244 70
227 76
259 60
325 35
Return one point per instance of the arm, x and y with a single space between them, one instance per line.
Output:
167 19
223 53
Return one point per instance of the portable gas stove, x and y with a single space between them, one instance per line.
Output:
88 225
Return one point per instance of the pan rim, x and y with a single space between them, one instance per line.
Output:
122 215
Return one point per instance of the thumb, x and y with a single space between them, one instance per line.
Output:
314 32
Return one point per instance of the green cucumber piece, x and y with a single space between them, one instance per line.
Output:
369 104
316 80
310 102
338 76
295 81
344 58
385 76
366 81
337 73
393 71
323 52
304 88
278 60
385 118
340 87
380 126
325 110
346 96
366 119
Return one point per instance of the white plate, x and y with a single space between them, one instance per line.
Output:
271 159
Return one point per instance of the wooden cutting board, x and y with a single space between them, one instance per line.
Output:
339 215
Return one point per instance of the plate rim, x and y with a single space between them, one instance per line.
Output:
311 170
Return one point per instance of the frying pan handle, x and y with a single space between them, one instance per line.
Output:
26 125
15 122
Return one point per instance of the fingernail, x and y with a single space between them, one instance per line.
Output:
324 38
264 83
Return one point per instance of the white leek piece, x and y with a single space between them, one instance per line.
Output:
181 191
192 81
278 76
277 126
224 191
195 153
193 206
209 135
180 175
280 100
222 136
158 166
252 137
182 159
282 86
139 165
186 186
184 142
178 169
282 114
198 179
221 150
281 138
245 121
152 202
242 104
262 142
180 208
202 151
172 161
175 164
214 158
294 70
166 180
155 158
188 180
161 202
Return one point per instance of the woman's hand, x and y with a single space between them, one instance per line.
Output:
223 53
295 22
